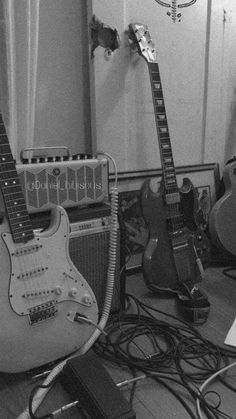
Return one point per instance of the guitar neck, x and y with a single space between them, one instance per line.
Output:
171 191
169 175
16 210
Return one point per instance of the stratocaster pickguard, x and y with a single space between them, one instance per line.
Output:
42 272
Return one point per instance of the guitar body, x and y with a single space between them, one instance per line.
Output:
189 209
41 292
223 217
164 266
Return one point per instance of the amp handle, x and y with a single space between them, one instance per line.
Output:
46 148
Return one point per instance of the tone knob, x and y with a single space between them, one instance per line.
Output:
86 299
73 292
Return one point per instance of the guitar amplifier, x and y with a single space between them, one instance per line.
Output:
89 251
68 181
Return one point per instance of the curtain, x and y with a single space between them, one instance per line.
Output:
19 53
45 74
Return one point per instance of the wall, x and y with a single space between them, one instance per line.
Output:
49 71
196 56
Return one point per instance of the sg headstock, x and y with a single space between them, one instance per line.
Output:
140 36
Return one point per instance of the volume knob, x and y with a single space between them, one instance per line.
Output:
86 299
73 292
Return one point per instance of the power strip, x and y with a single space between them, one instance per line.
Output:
86 380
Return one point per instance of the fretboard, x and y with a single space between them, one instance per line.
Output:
16 210
167 160
171 191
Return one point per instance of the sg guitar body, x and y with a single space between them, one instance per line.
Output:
167 257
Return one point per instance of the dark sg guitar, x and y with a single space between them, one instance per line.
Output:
174 249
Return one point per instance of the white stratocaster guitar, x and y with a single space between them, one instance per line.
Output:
43 298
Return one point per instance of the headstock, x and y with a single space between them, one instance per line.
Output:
141 37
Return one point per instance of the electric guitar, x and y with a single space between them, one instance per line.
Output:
222 216
171 255
47 307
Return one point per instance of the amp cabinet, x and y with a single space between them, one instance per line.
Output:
89 251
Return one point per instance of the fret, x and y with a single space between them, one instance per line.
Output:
16 205
173 190
7 174
165 146
7 159
155 76
169 170
163 130
170 182
24 237
164 135
159 110
20 220
166 154
8 183
23 214
21 225
4 149
9 191
2 129
158 102
161 117
170 174
162 123
157 94
157 88
3 139
168 160
13 211
16 199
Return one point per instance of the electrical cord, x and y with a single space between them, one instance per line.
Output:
227 270
31 397
165 351
209 380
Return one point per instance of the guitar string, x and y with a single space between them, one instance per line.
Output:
24 266
24 261
173 209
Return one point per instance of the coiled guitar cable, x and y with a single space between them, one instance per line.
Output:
51 378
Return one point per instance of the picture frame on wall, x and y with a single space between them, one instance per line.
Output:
206 181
